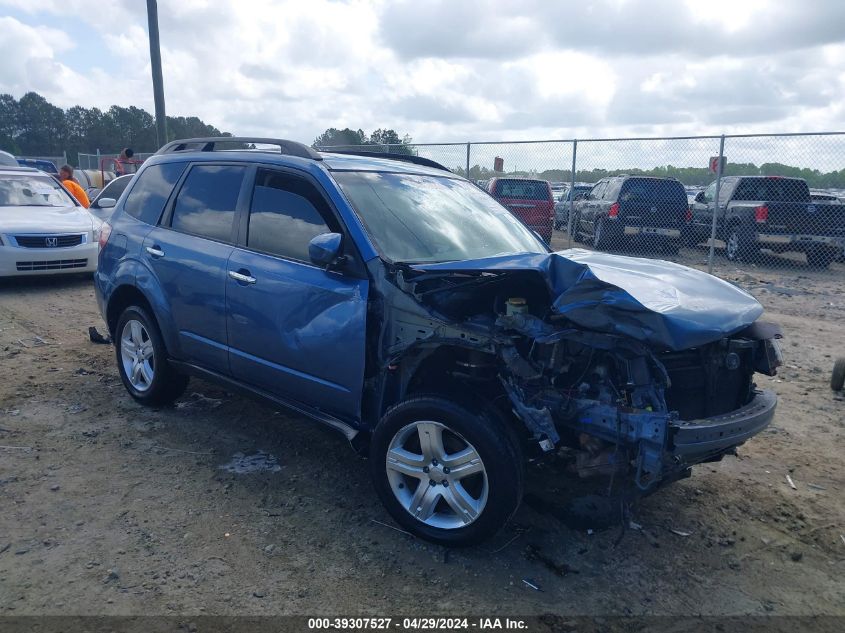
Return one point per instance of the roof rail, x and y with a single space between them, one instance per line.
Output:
290 148
407 158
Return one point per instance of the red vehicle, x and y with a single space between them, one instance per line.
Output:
529 200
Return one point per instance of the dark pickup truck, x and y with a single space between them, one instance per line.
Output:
770 212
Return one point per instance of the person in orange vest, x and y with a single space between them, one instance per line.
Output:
66 176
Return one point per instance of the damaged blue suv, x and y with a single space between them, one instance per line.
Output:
399 304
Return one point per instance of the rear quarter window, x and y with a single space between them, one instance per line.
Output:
147 198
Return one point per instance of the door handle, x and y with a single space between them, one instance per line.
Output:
242 277
155 251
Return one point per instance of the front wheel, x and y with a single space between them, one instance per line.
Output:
446 472
142 360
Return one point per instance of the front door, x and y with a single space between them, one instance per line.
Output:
295 330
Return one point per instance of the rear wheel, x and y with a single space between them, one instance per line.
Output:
600 237
837 379
821 257
447 472
739 247
689 238
142 360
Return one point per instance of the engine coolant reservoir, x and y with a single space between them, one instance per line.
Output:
516 305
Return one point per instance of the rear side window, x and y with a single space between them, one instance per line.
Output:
522 189
653 189
148 196
205 205
286 214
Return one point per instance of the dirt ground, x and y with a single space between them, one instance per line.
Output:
110 508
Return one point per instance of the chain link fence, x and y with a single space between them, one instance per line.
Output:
108 161
748 202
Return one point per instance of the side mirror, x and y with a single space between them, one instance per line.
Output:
106 203
699 197
324 249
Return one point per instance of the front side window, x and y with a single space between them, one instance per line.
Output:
32 190
152 189
285 215
205 205
598 190
415 218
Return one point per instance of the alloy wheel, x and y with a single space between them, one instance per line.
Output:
436 475
137 355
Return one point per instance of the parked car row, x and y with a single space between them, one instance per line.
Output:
618 212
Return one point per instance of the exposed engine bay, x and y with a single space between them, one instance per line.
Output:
633 406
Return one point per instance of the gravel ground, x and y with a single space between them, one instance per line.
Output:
220 505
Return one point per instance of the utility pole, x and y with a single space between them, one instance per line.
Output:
158 82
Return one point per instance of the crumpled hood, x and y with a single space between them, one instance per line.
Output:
654 301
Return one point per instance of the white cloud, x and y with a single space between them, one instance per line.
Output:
442 70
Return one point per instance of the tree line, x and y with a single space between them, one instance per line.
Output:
32 126
377 141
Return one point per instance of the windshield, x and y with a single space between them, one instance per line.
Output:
433 219
30 190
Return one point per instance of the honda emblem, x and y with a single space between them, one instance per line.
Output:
52 242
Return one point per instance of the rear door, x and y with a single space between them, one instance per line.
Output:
188 251
295 330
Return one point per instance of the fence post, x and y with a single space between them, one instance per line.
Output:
467 174
716 205
64 157
571 196
98 159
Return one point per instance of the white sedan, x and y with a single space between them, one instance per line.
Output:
43 229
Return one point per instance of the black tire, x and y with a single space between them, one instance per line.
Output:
739 246
483 429
837 378
600 237
821 257
689 238
577 236
671 247
167 384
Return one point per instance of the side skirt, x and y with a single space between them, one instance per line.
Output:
346 429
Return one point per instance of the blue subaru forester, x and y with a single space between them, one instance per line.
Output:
403 306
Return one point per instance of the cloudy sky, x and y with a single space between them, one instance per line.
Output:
445 70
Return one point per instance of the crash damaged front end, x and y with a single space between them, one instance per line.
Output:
626 409
638 369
